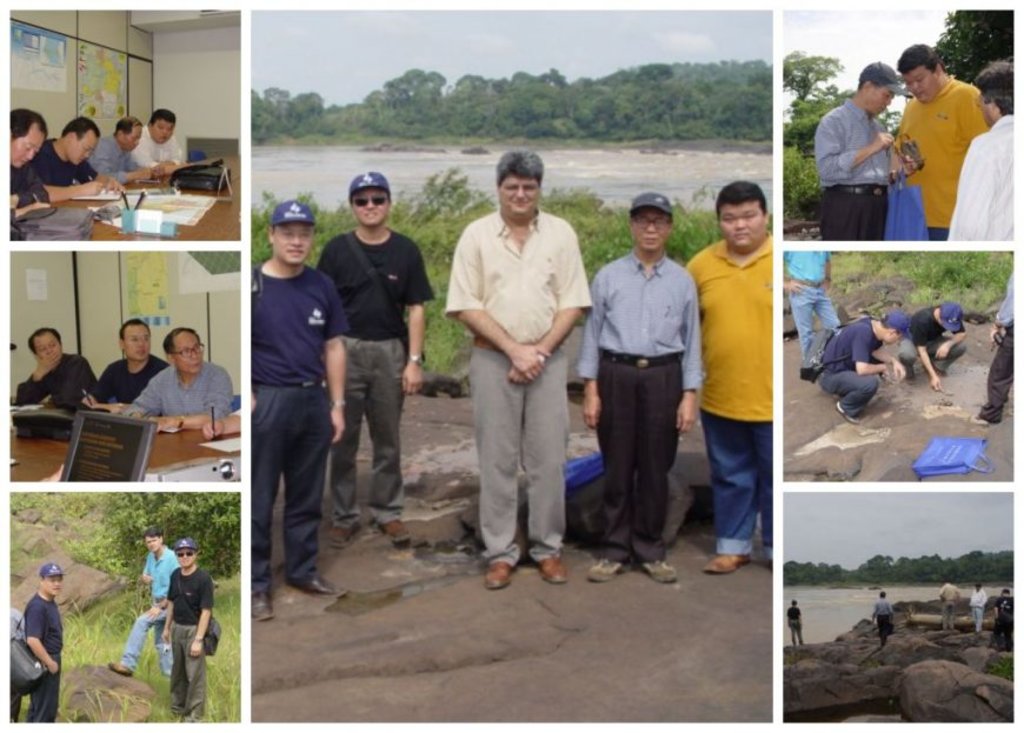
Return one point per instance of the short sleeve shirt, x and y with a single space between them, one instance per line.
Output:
521 289
856 342
42 621
925 329
56 172
118 384
190 594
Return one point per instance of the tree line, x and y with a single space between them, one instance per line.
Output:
729 100
974 567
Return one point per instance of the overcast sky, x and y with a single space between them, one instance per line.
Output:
849 528
344 56
860 38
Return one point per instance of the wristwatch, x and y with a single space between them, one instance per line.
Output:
416 359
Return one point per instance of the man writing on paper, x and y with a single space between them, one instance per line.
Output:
113 155
63 164
158 149
28 133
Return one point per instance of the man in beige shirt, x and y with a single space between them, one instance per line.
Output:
949 594
519 285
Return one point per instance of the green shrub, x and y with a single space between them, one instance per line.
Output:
800 185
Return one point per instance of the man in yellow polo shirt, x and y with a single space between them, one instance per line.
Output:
942 118
734 285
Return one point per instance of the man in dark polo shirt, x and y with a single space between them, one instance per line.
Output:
189 609
927 342
297 324
59 376
123 380
44 634
63 163
381 279
855 360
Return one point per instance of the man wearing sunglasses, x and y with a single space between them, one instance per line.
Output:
383 285
183 397
189 608
518 285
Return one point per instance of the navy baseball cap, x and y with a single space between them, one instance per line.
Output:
185 543
292 212
50 570
899 321
882 75
952 317
370 179
651 200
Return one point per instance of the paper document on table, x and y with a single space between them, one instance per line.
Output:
183 209
98 197
231 445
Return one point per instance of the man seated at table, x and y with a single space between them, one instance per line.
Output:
123 381
28 133
159 149
183 397
113 155
231 425
61 377
63 164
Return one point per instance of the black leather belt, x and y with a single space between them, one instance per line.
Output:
640 362
868 189
301 385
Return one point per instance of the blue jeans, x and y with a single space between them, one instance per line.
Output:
740 454
137 640
805 304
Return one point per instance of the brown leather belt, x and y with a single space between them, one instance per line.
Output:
867 189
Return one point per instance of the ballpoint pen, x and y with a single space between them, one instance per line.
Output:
124 196
138 203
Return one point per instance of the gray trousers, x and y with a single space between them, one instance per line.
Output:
188 676
517 425
908 354
854 390
373 389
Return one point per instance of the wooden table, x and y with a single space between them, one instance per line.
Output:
220 223
39 457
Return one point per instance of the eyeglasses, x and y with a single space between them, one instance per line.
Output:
362 201
190 352
657 222
185 553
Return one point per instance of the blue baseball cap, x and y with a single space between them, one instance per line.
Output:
292 212
952 317
898 320
186 543
370 179
50 570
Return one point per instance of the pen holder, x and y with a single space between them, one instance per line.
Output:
147 221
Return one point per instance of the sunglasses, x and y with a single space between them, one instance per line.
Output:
185 553
362 201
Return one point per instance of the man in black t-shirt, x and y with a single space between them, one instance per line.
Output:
796 625
1002 630
381 279
44 634
927 343
125 379
189 609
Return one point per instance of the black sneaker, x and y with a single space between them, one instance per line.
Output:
849 418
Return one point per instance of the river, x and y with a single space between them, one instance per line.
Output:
829 612
615 175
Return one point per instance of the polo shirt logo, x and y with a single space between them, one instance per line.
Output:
316 318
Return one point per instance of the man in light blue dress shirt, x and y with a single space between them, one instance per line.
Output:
113 154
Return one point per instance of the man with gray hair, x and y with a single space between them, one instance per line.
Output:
519 285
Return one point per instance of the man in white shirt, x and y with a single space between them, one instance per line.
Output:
984 196
159 149
978 600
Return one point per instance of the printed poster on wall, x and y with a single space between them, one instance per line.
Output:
102 82
209 272
146 285
39 59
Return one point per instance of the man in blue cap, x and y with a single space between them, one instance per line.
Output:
44 634
383 285
855 361
927 342
297 324
189 609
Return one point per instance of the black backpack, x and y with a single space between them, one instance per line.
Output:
814 362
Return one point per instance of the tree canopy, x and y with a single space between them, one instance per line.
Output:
974 567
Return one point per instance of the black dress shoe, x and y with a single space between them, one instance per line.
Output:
316 585
262 608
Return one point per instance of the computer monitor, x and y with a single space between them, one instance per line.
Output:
108 447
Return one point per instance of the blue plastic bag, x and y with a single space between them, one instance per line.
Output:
943 456
904 221
581 471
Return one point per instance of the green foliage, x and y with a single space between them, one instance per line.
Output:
728 100
436 216
1003 668
974 567
97 636
801 191
973 39
803 75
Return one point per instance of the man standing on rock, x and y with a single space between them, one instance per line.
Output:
380 277
734 284
1000 373
189 609
297 324
927 342
156 573
1003 627
44 634
519 285
949 594
796 624
851 149
641 366
978 600
882 615
810 277
855 361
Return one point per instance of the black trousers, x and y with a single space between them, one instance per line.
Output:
1000 380
291 434
884 628
852 216
1002 633
43 706
639 440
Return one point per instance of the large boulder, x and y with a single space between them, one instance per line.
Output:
941 691
97 695
83 585
826 689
